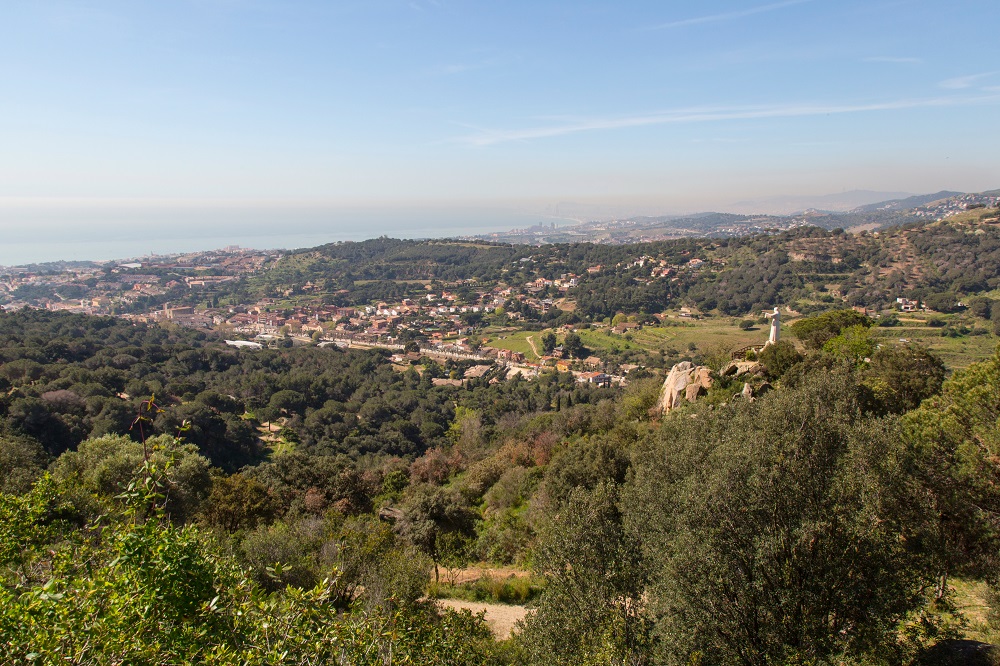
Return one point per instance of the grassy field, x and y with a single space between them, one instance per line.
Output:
705 336
957 353
517 342
715 335
971 599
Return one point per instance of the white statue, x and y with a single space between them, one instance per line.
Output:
775 317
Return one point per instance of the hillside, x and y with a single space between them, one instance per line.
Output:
444 291
193 496
909 202
802 268
829 213
401 410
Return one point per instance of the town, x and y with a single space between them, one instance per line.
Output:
598 311
445 321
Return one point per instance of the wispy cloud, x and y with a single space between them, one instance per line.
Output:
720 139
728 16
894 59
484 137
961 82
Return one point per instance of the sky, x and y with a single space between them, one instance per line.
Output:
538 106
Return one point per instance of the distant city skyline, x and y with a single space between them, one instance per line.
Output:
521 106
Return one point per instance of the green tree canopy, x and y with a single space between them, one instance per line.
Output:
548 342
104 466
777 530
590 612
815 331
955 449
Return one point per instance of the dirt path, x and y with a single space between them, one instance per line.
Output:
531 342
500 618
470 574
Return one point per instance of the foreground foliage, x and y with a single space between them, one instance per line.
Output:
137 589
801 528
820 523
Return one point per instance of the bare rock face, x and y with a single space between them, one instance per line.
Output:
686 381
738 368
703 376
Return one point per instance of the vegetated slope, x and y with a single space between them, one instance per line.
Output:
887 213
653 537
909 202
807 267
70 377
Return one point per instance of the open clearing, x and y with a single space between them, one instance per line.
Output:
712 335
474 573
517 341
500 618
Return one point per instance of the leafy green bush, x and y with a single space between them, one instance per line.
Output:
888 321
778 358
138 589
490 589
777 531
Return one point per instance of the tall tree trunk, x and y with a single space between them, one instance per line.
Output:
942 587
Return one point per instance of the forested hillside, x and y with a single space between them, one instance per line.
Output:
806 268
169 498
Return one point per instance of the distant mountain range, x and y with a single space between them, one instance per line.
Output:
857 210
841 202
909 202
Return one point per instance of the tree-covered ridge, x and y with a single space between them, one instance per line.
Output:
68 377
412 286
327 491
743 274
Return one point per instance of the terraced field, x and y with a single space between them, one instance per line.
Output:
720 335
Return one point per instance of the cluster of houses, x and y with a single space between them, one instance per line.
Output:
663 269
945 208
444 318
563 283
104 288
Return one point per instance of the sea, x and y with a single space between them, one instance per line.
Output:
32 236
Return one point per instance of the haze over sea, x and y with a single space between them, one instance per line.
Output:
102 233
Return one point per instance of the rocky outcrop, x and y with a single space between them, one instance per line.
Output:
390 514
738 368
750 393
686 381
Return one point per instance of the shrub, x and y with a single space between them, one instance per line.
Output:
814 332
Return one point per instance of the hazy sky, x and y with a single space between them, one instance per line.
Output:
436 102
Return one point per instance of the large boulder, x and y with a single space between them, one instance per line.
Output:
739 368
686 381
